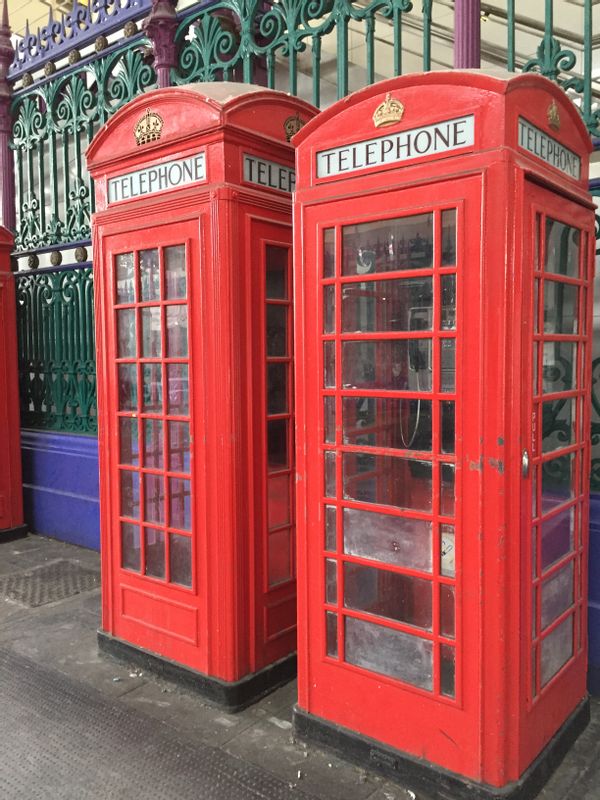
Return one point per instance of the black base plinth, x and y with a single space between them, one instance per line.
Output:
423 776
231 696
10 534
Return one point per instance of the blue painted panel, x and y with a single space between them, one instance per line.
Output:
594 596
60 486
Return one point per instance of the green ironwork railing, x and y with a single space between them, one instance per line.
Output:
57 367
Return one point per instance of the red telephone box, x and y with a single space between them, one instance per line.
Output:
11 486
192 242
444 247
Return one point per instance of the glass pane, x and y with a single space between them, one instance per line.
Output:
386 422
562 249
177 389
387 245
329 253
277 330
128 399
330 474
449 237
126 344
277 401
154 498
560 307
447 670
153 443
534 364
536 305
448 362
125 278
151 337
330 528
277 444
155 552
559 374
152 387
388 594
276 278
386 480
448 551
180 559
399 364
130 546
390 539
330 581
129 452
557 537
328 309
391 305
179 446
175 276
279 501
447 490
149 275
557 595
447 611
557 482
448 431
279 557
557 649
177 331
389 652
332 637
558 424
329 365
180 504
448 285
130 494
329 418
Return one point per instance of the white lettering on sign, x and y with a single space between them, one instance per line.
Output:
159 178
269 174
442 137
548 149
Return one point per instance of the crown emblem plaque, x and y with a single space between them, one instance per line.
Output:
148 128
553 116
390 111
291 126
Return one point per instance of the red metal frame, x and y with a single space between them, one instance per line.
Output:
490 730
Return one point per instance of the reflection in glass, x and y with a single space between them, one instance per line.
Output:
330 581
330 528
129 452
389 652
180 504
276 278
276 330
278 489
151 336
447 493
447 420
449 237
557 649
328 309
387 245
557 482
154 498
536 305
562 249
130 546
329 365
559 373
330 474
153 443
329 419
388 305
178 389
277 444
155 552
387 480
557 537
447 670
125 278
126 339
177 331
179 446
448 286
399 364
390 539
175 277
152 387
329 253
180 559
387 422
448 361
557 595
447 611
277 399
128 400
447 551
332 637
149 275
392 595
560 307
130 494
279 557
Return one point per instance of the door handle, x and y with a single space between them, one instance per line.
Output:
525 464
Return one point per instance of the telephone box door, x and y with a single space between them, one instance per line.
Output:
392 512
557 308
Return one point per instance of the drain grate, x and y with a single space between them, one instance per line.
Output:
54 581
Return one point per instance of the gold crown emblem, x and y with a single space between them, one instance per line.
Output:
291 126
390 111
553 116
148 128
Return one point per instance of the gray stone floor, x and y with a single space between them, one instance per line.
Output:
76 725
